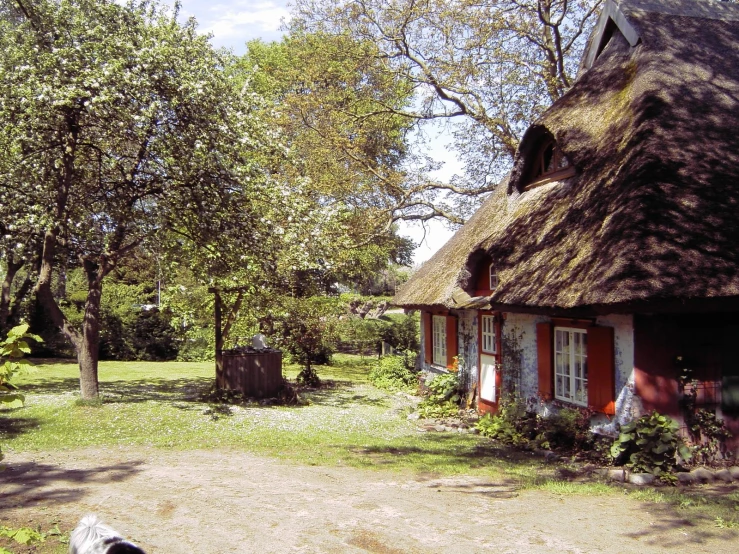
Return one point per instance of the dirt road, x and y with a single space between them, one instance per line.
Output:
213 502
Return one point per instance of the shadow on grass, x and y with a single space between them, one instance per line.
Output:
694 527
30 483
11 426
343 393
130 391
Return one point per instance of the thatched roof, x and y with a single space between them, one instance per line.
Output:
653 210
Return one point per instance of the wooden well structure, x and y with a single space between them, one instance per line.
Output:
254 373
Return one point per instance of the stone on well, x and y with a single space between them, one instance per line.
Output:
259 341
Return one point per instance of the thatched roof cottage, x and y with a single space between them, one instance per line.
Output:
608 261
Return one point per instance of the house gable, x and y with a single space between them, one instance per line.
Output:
612 20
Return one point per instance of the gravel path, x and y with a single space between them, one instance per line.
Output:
224 501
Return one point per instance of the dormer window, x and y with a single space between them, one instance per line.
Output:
493 277
549 164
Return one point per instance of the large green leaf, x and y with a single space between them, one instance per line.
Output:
15 400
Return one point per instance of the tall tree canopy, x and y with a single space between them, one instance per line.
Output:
121 126
485 68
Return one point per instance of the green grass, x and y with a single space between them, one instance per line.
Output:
160 405
348 422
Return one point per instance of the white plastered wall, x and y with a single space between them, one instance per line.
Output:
520 355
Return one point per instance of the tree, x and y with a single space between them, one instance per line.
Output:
120 126
486 68
348 152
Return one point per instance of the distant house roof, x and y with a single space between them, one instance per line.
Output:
652 212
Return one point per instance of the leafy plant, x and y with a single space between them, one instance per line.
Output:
568 429
708 435
306 329
512 424
650 444
444 396
23 535
390 373
13 349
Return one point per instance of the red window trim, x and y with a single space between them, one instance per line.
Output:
601 364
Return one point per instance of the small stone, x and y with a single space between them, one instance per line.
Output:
620 475
475 431
723 475
641 479
734 470
702 475
414 416
686 478
439 428
550 456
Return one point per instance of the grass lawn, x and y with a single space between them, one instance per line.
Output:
162 404
349 422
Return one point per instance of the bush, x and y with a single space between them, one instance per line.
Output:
650 444
390 373
514 424
403 334
568 429
444 396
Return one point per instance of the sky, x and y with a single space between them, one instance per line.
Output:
235 22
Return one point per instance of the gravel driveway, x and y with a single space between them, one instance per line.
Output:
220 501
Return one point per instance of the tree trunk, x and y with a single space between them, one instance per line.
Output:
5 292
88 351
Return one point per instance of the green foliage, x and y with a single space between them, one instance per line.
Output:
499 64
443 397
390 373
650 444
23 535
510 425
403 334
568 429
514 424
306 329
363 335
13 348
708 435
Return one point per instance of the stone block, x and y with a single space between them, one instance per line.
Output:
641 479
702 475
734 470
723 475
686 478
620 475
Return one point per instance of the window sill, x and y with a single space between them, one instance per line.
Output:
571 402
551 178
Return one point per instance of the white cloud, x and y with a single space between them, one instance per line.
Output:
243 19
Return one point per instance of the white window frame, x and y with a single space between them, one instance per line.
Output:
571 365
492 277
438 340
488 342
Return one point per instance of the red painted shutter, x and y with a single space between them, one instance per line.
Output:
601 370
451 339
428 337
545 358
